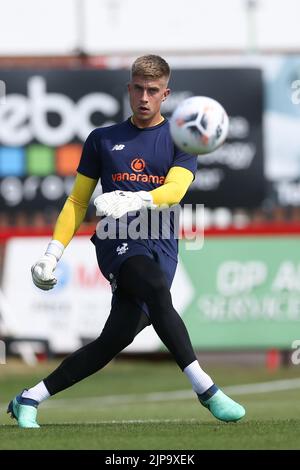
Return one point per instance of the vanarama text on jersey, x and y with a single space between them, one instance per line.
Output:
138 177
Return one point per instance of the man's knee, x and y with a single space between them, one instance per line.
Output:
121 339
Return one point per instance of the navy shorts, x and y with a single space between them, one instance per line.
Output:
111 254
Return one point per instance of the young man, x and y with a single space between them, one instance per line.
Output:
140 169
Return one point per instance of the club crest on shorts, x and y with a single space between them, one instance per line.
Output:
121 249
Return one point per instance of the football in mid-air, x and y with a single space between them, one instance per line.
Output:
199 125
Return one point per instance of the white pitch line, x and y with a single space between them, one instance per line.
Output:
245 389
122 421
263 387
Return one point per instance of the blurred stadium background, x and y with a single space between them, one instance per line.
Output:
63 71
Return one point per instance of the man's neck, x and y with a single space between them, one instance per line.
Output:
144 125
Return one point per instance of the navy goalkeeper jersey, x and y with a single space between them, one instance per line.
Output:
127 158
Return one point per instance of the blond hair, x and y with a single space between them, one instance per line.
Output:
151 67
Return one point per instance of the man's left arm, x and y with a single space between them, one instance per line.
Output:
118 203
174 188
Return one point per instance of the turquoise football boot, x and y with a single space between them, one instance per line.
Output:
24 410
222 407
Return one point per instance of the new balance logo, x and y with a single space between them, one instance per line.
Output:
118 147
121 249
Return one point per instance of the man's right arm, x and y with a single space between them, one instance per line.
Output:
67 224
74 210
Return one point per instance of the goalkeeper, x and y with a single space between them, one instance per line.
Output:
140 169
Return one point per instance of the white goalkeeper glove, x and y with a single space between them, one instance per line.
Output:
43 270
117 203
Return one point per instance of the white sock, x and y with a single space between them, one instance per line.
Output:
38 393
199 379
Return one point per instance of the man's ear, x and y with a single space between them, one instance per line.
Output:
166 94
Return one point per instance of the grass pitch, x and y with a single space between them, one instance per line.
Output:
149 406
